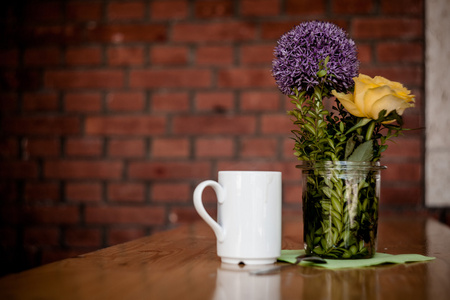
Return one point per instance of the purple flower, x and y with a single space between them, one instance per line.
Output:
300 51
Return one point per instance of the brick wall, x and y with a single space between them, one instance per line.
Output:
113 111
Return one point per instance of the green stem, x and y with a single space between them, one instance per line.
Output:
369 131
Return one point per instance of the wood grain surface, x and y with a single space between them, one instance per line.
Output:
182 264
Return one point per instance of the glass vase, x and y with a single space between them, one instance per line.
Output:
340 208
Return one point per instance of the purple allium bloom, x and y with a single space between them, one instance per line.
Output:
299 52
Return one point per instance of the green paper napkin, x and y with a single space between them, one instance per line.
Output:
379 258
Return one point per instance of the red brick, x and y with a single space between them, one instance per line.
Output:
122 235
83 102
83 237
447 218
169 55
41 236
10 81
274 30
292 193
305 7
170 147
45 12
126 56
214 147
41 147
126 148
10 192
214 101
42 192
209 196
170 102
53 254
43 56
125 11
387 28
403 172
213 9
214 32
125 215
21 79
18 169
413 120
171 192
260 7
40 102
174 78
276 124
419 101
214 55
125 101
405 148
403 7
88 56
8 102
123 33
125 125
29 80
9 147
188 215
51 214
214 124
258 147
245 78
82 169
407 195
352 7
165 10
126 192
10 57
288 148
168 170
257 54
73 79
87 147
11 214
407 75
260 101
53 34
400 52
83 192
84 11
364 53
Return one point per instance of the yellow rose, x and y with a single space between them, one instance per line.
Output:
373 95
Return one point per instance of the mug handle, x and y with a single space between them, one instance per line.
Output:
220 193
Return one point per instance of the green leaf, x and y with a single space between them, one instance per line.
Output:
341 127
363 152
321 73
310 128
360 124
349 147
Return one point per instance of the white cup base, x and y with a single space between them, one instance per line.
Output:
249 261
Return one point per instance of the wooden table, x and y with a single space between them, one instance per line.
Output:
182 264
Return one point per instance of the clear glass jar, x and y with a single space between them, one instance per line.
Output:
340 208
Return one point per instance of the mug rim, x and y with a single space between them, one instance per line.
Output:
248 171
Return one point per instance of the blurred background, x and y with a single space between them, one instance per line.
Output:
113 111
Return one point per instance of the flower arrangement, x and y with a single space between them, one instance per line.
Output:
315 63
316 60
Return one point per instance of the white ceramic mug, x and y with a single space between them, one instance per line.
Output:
248 227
